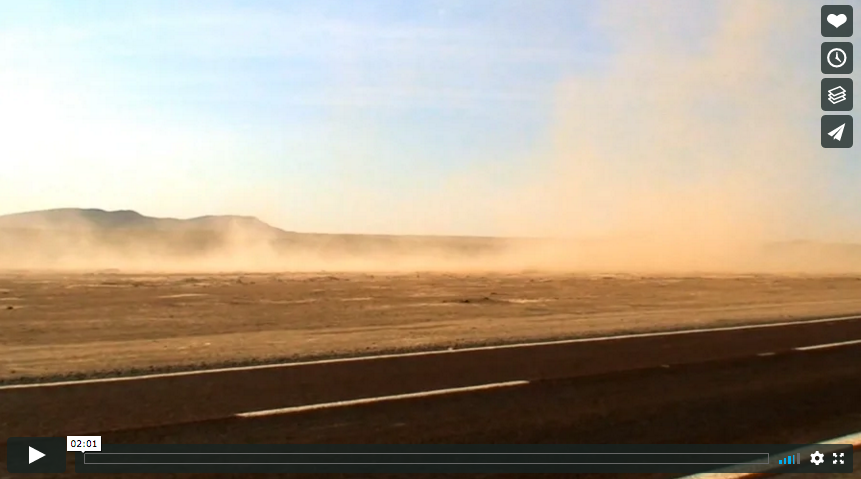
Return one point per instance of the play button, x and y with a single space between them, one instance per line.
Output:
44 455
35 455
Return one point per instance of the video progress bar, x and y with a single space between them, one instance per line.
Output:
424 458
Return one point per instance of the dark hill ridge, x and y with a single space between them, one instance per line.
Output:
98 219
65 218
63 230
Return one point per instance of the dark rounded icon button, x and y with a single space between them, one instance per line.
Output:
836 58
45 455
836 131
837 20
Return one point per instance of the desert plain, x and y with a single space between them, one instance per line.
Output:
59 325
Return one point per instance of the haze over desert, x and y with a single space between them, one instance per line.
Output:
375 184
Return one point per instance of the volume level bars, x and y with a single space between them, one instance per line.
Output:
793 459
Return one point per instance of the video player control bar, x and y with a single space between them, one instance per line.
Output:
428 458
371 459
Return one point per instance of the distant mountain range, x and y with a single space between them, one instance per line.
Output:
92 218
59 231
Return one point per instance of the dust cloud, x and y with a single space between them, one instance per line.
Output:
75 240
688 152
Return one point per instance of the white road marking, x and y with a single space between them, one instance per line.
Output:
395 397
764 355
433 352
183 295
828 345
853 439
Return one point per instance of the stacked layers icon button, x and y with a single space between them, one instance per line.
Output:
837 95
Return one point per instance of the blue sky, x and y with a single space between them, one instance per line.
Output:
391 116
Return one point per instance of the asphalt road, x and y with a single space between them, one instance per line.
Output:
735 386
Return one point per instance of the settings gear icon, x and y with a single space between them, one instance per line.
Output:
817 458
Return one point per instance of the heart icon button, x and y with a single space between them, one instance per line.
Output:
836 20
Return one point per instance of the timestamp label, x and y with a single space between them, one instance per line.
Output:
83 443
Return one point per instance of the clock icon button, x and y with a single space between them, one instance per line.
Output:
837 58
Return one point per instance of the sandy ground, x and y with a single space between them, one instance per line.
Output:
109 322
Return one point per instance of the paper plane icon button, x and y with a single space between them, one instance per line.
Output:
837 131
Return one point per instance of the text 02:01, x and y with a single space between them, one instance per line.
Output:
83 443
78 443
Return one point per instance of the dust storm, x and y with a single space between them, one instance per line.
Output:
676 157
